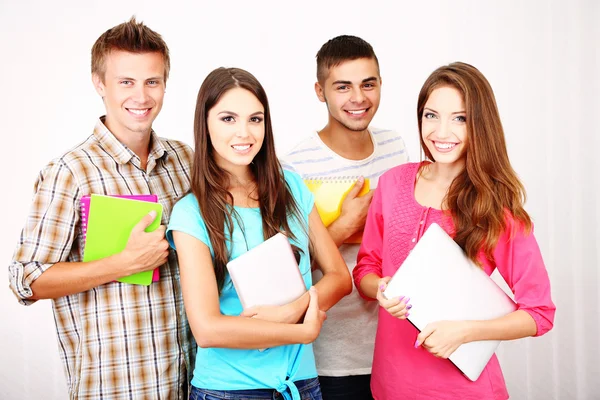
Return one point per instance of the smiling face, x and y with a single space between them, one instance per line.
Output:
133 88
352 91
237 129
444 125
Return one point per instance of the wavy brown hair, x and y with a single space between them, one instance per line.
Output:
210 182
488 187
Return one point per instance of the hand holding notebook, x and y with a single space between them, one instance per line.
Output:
109 225
330 193
84 204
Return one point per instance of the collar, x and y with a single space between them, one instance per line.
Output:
121 153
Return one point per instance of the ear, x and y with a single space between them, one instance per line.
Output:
319 91
98 85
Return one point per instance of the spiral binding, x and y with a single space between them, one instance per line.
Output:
331 179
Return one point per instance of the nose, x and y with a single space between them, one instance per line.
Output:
243 131
141 94
357 96
444 130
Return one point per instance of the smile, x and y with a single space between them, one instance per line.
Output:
444 146
241 148
140 112
357 112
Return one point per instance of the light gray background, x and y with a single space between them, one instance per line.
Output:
541 58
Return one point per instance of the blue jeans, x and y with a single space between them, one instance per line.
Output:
309 390
353 387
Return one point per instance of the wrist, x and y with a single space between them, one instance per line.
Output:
307 333
122 264
294 311
471 329
339 230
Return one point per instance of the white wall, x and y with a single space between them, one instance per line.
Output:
541 58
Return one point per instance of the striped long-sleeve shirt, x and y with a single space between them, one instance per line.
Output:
116 341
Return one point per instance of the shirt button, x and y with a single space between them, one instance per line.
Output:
414 240
421 222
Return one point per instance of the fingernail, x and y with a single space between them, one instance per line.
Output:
400 298
408 307
381 287
407 314
406 300
416 344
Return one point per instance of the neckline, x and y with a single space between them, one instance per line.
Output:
246 208
414 187
336 155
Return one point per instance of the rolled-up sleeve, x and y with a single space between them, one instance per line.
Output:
519 261
49 230
369 256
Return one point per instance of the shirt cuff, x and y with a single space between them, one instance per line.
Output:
21 276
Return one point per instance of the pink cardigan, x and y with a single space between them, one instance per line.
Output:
394 224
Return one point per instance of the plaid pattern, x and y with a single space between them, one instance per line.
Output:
117 341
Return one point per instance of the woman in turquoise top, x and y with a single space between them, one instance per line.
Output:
239 197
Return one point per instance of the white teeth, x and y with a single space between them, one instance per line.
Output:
241 148
444 145
357 112
139 112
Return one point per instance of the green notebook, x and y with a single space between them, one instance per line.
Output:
109 225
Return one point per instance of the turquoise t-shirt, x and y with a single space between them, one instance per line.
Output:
238 369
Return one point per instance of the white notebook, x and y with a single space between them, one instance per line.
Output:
443 284
267 274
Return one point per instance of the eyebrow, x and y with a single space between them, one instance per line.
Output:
153 78
236 114
369 79
456 112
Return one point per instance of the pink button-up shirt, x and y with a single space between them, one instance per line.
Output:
394 225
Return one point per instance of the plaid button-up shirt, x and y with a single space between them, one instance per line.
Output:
116 341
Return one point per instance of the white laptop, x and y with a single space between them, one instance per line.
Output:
443 284
267 274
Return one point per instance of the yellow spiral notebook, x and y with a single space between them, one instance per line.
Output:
329 194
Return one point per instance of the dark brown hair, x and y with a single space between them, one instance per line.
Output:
488 187
130 36
210 182
340 49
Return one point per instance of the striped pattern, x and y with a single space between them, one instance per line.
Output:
312 158
117 341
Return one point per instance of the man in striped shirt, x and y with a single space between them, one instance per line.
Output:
116 340
349 83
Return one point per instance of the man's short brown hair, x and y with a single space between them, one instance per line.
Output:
340 49
130 36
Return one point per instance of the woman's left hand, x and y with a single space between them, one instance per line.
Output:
290 313
442 338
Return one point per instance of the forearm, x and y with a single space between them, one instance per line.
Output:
332 288
368 285
516 325
339 232
235 332
66 278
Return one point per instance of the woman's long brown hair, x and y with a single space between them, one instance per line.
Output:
488 187
210 183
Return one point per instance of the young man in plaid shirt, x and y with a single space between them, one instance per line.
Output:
116 340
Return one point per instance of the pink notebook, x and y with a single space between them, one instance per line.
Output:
84 203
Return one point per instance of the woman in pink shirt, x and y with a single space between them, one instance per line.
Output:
470 189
